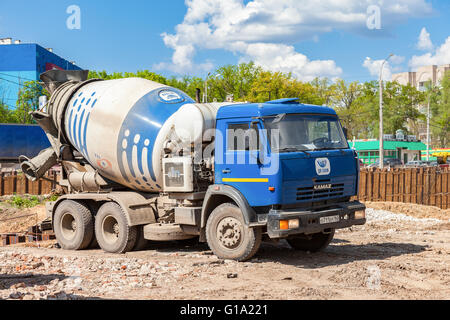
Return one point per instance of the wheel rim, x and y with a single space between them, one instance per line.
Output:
110 229
68 226
229 232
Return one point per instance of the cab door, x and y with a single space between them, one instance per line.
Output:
240 167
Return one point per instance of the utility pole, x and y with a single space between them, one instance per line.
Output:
205 96
381 158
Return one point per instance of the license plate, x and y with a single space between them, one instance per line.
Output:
331 219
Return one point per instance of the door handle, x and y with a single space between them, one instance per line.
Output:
226 171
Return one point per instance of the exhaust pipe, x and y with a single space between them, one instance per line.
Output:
197 95
36 168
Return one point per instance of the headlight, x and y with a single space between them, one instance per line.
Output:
289 224
360 214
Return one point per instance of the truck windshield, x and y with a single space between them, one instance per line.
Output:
299 132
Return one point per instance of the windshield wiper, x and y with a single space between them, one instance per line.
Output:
321 149
292 149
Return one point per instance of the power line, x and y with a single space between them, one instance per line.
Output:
19 77
17 83
9 106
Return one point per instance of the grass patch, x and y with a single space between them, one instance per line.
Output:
53 197
24 202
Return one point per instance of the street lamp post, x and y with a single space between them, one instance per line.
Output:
205 96
381 113
205 100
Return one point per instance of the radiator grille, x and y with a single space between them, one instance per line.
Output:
309 193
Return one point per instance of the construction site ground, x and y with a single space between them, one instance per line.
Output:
403 252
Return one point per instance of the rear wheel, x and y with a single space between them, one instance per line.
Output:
112 230
228 236
313 243
73 225
141 242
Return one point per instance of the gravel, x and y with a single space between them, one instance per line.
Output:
30 276
411 255
373 215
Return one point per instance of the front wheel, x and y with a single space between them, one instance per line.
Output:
228 236
314 243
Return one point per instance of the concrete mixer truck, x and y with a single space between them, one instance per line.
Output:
143 161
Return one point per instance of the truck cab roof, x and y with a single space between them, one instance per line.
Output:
270 108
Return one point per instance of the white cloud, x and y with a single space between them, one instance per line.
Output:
439 57
424 42
275 25
374 66
284 58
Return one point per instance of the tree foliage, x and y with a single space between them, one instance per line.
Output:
440 112
28 101
356 103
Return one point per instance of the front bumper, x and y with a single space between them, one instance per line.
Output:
310 221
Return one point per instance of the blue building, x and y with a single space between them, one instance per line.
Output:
20 63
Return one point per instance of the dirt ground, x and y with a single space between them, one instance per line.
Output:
15 220
398 254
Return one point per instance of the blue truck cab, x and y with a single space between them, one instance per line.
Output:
290 169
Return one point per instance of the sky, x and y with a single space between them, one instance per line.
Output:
345 39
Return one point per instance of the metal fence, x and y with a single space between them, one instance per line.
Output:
16 183
427 186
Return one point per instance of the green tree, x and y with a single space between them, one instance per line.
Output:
400 107
6 115
325 90
236 80
440 112
270 85
28 101
349 107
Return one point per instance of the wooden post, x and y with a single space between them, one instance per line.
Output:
376 185
439 190
369 185
362 185
383 185
446 188
2 183
414 185
426 191
420 183
14 182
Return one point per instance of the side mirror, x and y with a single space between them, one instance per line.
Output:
345 132
258 155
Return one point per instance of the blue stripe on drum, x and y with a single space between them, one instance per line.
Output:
78 121
138 134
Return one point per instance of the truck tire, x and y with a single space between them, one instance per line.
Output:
93 207
112 231
228 236
141 242
318 242
73 225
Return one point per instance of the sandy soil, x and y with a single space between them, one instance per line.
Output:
393 256
13 220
